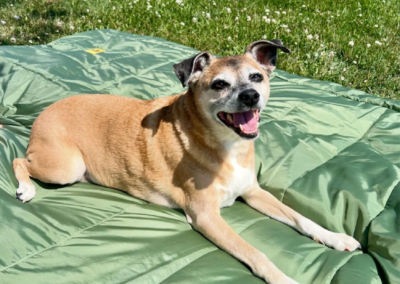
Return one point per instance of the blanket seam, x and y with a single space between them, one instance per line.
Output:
336 268
51 80
166 44
59 243
358 140
131 54
395 107
390 195
187 264
261 218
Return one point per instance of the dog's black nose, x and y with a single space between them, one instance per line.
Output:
249 97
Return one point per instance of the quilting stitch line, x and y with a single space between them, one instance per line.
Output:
59 243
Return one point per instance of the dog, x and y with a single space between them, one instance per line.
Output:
193 151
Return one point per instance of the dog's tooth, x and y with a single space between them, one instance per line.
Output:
241 127
229 117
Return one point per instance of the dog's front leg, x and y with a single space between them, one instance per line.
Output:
267 204
207 220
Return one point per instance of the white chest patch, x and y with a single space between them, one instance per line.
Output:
240 181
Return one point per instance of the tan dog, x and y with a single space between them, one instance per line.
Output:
192 151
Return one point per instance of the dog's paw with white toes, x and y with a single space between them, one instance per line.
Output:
340 242
25 192
344 242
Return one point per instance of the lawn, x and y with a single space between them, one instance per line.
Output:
355 43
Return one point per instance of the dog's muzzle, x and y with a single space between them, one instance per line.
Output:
244 123
249 97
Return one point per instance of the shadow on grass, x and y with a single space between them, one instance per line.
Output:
5 3
49 13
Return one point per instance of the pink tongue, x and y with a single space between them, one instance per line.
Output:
247 119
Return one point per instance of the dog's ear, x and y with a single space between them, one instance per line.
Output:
265 52
191 66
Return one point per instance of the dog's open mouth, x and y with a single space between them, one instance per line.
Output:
245 124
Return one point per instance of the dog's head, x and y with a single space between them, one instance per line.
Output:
231 91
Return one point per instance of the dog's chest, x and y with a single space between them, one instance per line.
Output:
239 180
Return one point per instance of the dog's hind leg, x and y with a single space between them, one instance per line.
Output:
26 190
57 162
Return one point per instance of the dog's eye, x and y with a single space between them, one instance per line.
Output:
219 85
256 77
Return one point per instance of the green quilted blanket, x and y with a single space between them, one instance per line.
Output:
329 152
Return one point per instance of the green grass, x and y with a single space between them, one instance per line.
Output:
327 56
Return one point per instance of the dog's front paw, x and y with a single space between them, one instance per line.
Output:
339 242
25 192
